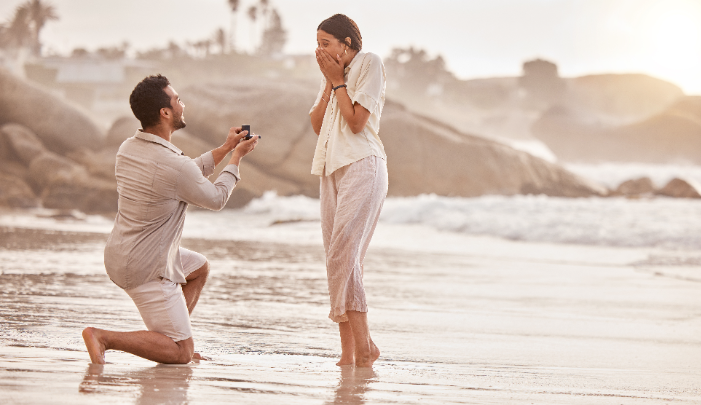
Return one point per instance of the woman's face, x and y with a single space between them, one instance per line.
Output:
330 44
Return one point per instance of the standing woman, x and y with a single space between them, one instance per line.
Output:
351 161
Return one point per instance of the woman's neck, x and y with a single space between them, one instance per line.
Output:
350 57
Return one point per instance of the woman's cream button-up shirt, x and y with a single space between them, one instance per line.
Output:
337 145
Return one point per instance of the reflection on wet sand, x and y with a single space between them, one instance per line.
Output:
155 385
353 384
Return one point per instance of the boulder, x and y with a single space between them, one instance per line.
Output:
191 146
15 193
61 126
91 195
122 129
425 156
98 164
635 187
679 188
14 168
51 168
23 143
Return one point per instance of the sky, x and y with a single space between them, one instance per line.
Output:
477 38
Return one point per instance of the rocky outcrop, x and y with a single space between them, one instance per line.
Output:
31 175
22 142
122 129
425 156
679 188
60 126
670 136
16 193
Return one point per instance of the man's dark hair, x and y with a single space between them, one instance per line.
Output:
147 99
342 27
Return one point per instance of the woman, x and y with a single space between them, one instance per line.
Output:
350 159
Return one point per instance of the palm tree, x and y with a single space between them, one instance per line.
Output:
38 14
234 5
253 16
18 32
220 40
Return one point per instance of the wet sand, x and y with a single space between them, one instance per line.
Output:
499 322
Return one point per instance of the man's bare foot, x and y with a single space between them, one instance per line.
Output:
96 348
368 360
198 357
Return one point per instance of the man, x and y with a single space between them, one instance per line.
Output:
156 182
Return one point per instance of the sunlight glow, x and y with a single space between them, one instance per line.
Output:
673 41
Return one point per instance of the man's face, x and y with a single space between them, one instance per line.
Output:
177 107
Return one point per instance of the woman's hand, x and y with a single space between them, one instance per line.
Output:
332 69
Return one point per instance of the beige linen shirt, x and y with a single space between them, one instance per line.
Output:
337 145
156 182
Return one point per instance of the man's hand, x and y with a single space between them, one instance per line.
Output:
233 140
243 148
234 137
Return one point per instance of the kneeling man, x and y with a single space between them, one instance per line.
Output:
156 182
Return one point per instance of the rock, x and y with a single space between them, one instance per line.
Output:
635 187
99 164
287 147
679 188
14 168
51 168
15 193
62 127
425 156
91 195
122 129
191 146
667 137
24 144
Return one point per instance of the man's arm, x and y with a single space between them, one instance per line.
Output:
194 188
233 139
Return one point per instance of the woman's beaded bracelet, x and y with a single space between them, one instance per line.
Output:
338 87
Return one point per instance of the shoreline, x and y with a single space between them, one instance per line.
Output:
494 322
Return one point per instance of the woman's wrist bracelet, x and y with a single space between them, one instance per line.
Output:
338 87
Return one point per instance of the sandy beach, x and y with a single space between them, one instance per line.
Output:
459 319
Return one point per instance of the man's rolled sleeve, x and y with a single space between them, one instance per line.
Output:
206 163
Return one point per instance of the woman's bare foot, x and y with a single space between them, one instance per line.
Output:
96 348
346 360
368 360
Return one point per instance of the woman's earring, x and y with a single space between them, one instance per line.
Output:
346 51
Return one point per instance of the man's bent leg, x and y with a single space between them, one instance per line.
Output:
193 288
149 345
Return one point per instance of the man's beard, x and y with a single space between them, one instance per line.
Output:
179 123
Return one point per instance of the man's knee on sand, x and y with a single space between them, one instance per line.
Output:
186 351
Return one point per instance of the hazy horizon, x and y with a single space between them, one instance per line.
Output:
661 38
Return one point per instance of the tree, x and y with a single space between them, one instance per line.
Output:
274 36
234 6
38 14
18 32
253 16
415 72
220 40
